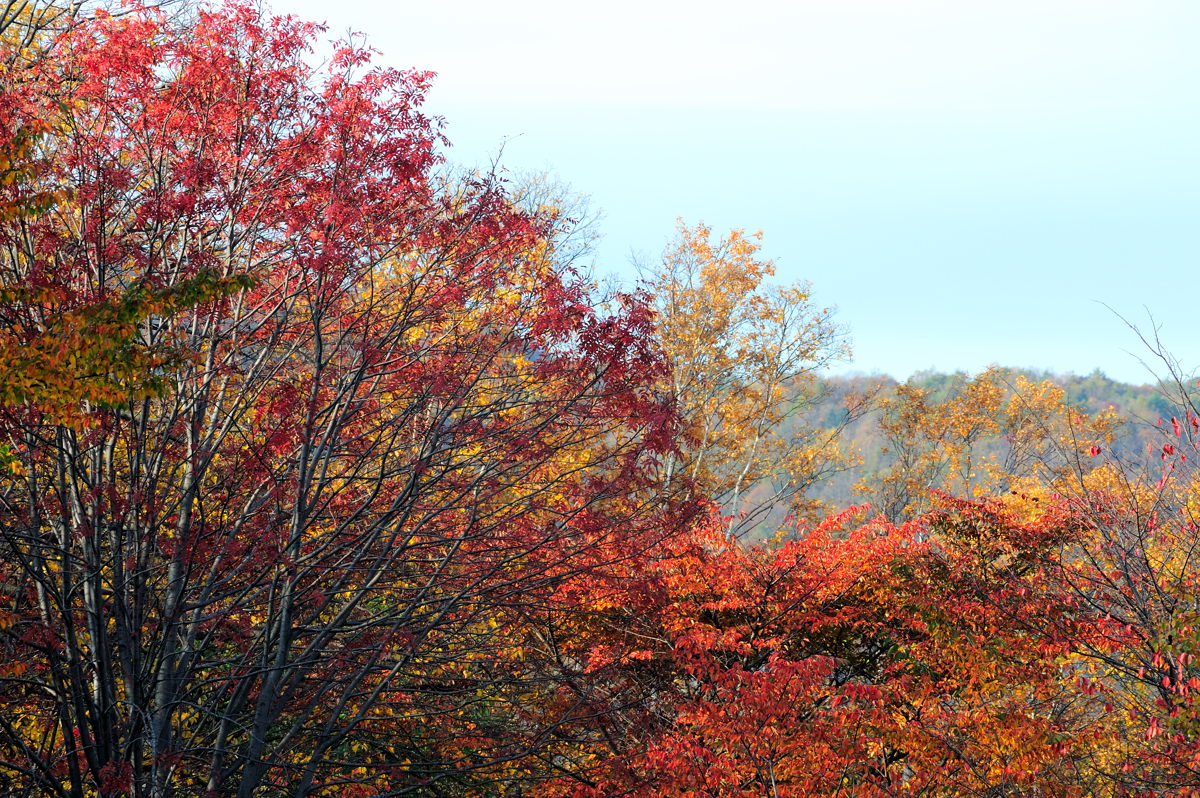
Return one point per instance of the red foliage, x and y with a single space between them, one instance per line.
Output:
304 560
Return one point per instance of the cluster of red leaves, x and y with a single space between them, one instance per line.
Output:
868 660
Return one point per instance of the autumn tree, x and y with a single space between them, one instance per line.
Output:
573 223
1134 573
28 32
854 658
744 358
1119 556
980 436
382 431
27 28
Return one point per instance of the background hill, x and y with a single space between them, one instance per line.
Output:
857 403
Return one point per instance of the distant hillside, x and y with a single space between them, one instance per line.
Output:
1141 406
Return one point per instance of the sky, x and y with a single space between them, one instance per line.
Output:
968 181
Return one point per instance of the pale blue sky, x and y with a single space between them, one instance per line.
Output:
966 181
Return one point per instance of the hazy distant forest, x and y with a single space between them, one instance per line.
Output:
327 470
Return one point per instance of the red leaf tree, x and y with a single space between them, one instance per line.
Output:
858 659
383 437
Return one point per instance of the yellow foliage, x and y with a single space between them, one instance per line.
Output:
985 437
744 355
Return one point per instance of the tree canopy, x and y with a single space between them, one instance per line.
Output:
327 471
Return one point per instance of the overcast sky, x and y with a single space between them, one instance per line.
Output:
968 182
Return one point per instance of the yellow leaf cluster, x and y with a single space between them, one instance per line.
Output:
744 355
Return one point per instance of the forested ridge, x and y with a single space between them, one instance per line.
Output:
1136 411
325 470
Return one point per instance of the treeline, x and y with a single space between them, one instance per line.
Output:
325 472
856 404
